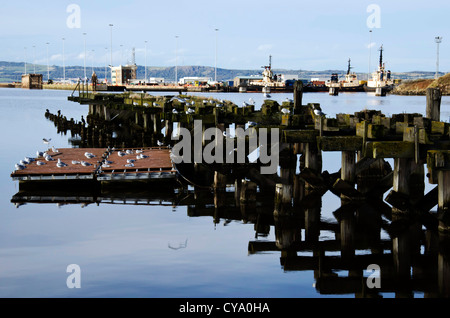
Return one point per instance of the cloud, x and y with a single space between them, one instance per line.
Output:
265 47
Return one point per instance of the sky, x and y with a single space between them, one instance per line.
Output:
232 34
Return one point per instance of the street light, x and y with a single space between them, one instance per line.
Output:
215 67
48 64
176 60
111 63
438 40
145 78
34 59
64 65
25 48
85 77
370 54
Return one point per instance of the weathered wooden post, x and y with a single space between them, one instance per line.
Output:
298 96
433 110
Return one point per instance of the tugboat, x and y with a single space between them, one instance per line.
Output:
381 81
350 84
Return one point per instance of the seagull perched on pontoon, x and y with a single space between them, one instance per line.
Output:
19 166
40 163
159 143
86 164
89 155
61 164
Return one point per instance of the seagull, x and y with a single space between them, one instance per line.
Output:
129 165
288 100
130 160
159 143
105 166
146 104
85 164
20 166
318 112
135 103
245 104
39 153
40 163
75 162
54 149
121 154
28 160
129 152
108 162
155 104
139 151
46 141
219 105
60 164
47 157
141 156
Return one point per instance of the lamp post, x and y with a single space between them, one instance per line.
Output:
438 40
34 58
85 77
176 60
215 60
25 48
92 61
64 65
145 78
370 54
106 64
48 64
111 63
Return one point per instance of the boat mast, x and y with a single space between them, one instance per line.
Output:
381 55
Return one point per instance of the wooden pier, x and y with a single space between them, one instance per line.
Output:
374 195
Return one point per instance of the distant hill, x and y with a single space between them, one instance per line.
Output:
12 72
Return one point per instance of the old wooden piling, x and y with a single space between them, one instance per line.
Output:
433 107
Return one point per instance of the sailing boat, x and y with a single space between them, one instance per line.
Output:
381 79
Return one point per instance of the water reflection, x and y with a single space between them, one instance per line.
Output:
412 258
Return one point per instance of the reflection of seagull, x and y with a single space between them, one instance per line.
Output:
285 111
180 245
190 111
174 111
288 100
266 95
251 101
251 123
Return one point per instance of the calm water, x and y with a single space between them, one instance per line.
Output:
127 250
